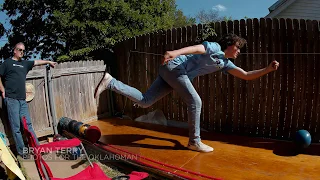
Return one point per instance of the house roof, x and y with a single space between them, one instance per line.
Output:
278 7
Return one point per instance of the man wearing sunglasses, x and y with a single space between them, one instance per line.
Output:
13 73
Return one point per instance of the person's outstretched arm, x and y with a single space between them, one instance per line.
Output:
196 49
44 62
251 75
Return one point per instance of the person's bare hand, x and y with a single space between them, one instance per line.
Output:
273 66
52 64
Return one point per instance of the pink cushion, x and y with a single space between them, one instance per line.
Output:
91 173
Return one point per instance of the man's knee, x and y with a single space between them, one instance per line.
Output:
195 102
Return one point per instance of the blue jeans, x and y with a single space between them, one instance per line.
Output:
16 110
171 77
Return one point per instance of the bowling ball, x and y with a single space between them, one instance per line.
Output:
93 134
71 125
76 128
302 138
83 129
64 123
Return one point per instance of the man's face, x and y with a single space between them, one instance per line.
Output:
19 51
233 51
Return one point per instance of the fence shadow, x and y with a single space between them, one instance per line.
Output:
130 139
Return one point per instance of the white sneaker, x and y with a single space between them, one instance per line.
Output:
200 147
107 78
105 81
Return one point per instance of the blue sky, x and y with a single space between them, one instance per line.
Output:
5 22
237 9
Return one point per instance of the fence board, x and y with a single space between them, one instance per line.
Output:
223 88
263 86
310 75
137 73
70 89
290 77
152 68
269 95
123 73
88 93
283 74
243 84
148 75
129 75
231 93
237 81
250 83
314 117
65 92
143 70
276 94
37 73
256 64
81 90
303 74
297 76
217 87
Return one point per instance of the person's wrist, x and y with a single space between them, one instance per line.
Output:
268 69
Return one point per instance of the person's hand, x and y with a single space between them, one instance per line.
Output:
168 56
273 66
52 64
3 94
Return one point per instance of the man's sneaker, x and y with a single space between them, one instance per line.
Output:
199 146
105 81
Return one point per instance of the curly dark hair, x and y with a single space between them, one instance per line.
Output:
229 40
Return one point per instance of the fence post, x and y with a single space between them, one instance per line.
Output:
51 100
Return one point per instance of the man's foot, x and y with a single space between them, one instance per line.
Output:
102 84
199 146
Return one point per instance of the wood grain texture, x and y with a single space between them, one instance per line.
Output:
234 157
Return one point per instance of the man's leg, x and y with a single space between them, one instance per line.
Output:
24 111
157 90
180 82
13 108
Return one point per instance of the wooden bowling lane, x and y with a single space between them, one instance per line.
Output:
234 157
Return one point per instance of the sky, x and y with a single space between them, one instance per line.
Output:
237 9
5 22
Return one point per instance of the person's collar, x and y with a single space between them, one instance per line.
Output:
15 59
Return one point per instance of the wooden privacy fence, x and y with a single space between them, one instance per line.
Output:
70 86
273 106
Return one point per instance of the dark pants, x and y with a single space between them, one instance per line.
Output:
16 110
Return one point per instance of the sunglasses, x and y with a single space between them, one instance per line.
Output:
21 50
